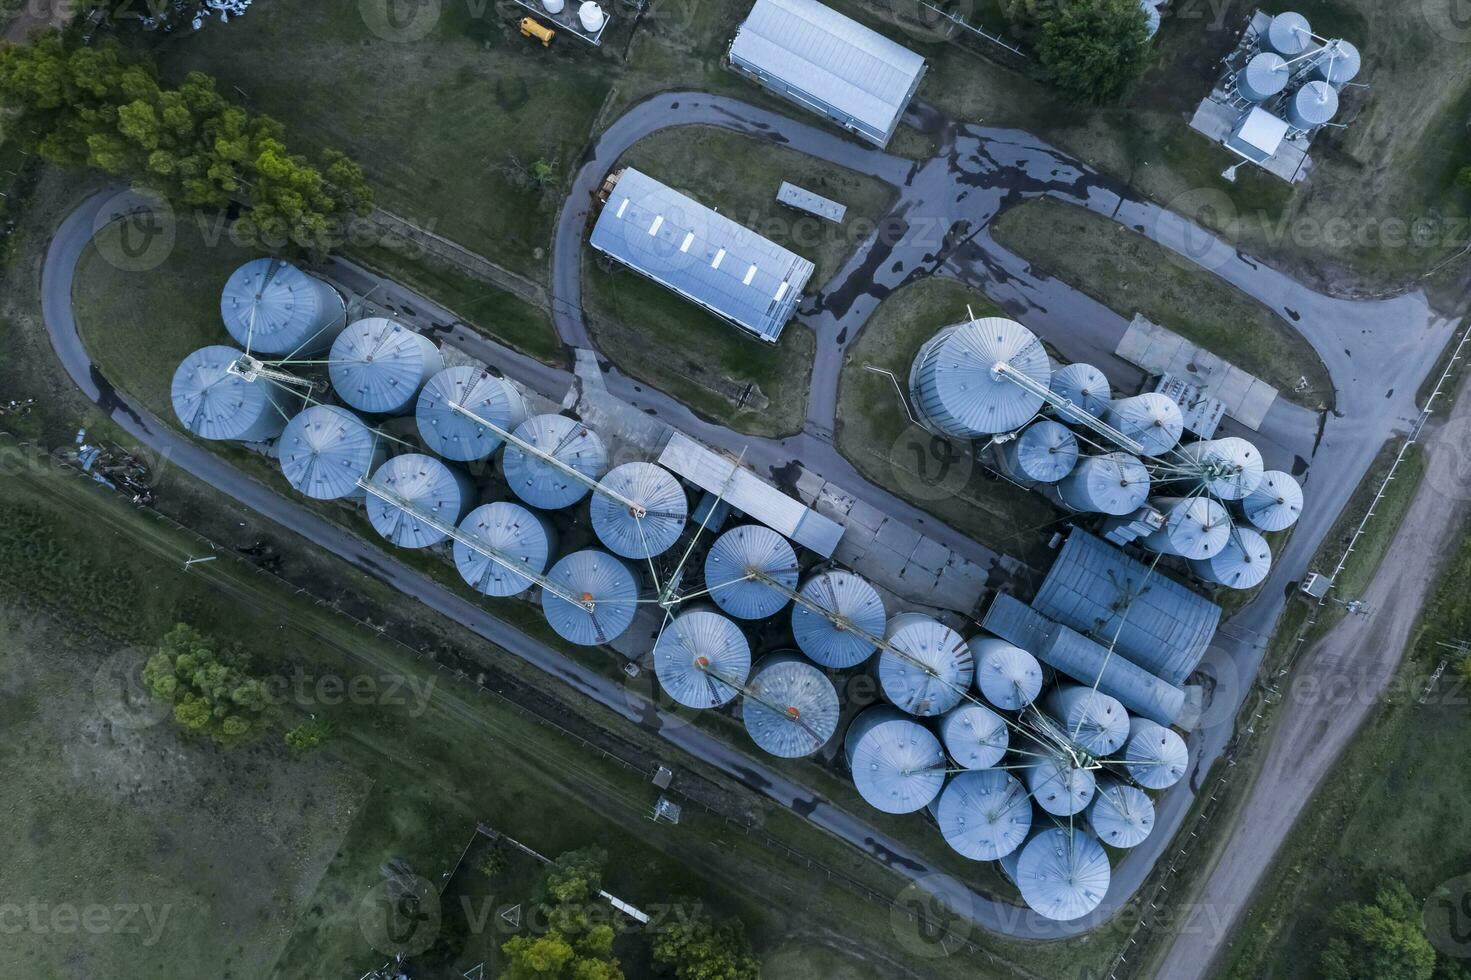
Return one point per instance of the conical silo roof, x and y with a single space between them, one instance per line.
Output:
512 531
936 668
1228 468
1045 452
957 385
1008 676
1288 34
1085 386
1152 419
543 485
848 599
1063 874
1092 720
1264 76
1276 503
378 366
1194 528
897 765
1312 105
1242 564
599 578
791 708
482 394
974 735
213 403
984 815
272 307
1155 757
427 487
1060 787
326 450
1120 815
1338 63
1114 483
702 659
739 551
664 504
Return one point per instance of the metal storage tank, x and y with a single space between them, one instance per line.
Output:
740 551
935 671
955 383
1085 386
853 602
428 487
897 765
1114 483
1152 419
1242 564
1194 528
1288 34
1228 468
1312 105
665 508
984 815
974 735
1337 64
791 708
326 450
1045 452
1063 874
591 16
596 577
1092 720
1059 786
1155 757
1264 76
570 442
1121 815
1009 862
1008 676
272 307
702 659
513 531
378 366
1275 504
484 395
212 403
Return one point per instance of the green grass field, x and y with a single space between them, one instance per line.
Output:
935 474
1130 274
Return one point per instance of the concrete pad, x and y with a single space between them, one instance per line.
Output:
1159 350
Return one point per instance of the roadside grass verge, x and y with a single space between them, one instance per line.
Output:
935 474
1128 273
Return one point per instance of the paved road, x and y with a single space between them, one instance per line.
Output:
56 290
1347 673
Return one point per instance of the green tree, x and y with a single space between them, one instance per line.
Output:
212 691
1382 941
1091 49
695 948
573 947
309 735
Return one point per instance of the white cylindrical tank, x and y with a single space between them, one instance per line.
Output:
1228 468
1090 719
1152 419
553 6
1242 564
1275 504
1288 34
1083 385
1045 452
1008 676
1312 105
1338 63
1114 483
1154 756
378 366
897 764
215 402
975 736
1194 528
591 16
1060 787
1063 873
1121 815
934 670
984 815
959 381
1264 76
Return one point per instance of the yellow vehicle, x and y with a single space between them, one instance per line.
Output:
530 27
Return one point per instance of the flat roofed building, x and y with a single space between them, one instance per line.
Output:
1257 135
744 279
814 204
828 63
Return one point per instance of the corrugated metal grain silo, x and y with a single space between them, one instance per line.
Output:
1242 564
597 578
791 708
540 483
1092 720
272 307
1228 468
975 736
1008 676
957 386
897 765
425 486
702 659
1155 757
326 450
1120 815
1152 419
655 526
1114 483
826 633
984 815
736 553
1059 786
214 403
513 532
1275 504
1063 874
448 432
378 366
1085 386
1045 452
1194 528
928 667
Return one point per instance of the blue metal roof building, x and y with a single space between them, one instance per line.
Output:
828 63
1099 591
727 269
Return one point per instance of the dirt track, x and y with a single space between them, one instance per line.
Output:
1331 695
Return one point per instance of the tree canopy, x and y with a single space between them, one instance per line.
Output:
1382 941
92 107
574 946
696 948
1091 49
212 692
